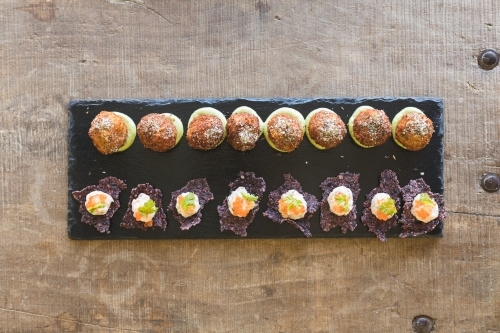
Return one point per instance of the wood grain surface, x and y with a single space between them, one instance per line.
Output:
55 51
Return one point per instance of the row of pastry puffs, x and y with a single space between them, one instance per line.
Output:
284 129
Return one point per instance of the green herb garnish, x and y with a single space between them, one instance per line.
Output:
149 207
388 207
292 202
426 199
93 209
342 200
188 201
249 197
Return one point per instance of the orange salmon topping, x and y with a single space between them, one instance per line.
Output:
382 216
338 209
242 207
285 209
95 200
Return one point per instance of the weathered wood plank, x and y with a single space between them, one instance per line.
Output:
54 51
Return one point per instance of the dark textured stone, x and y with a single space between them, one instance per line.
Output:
171 170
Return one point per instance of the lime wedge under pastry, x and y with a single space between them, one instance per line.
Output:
131 130
177 124
288 111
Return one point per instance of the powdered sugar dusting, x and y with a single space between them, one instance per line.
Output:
205 132
372 127
417 124
285 132
102 123
327 129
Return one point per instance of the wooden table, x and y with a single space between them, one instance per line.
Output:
55 51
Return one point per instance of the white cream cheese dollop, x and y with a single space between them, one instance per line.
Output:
292 205
340 201
98 202
379 200
139 202
246 205
191 209
424 208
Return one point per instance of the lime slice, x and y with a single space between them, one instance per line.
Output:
177 124
131 130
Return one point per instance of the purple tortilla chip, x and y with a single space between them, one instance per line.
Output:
388 184
274 197
412 227
253 185
110 185
329 220
159 219
202 190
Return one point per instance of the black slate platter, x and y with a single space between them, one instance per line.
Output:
172 170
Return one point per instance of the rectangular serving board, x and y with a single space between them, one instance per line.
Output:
171 170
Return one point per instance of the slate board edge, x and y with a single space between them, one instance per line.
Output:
285 101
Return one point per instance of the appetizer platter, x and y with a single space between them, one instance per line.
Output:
239 168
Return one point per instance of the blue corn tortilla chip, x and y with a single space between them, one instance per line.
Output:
238 225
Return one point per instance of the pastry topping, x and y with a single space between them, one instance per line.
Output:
292 205
243 129
325 129
424 208
417 124
187 204
369 127
240 202
383 206
372 127
412 129
206 129
144 208
340 201
108 132
285 132
157 132
98 202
